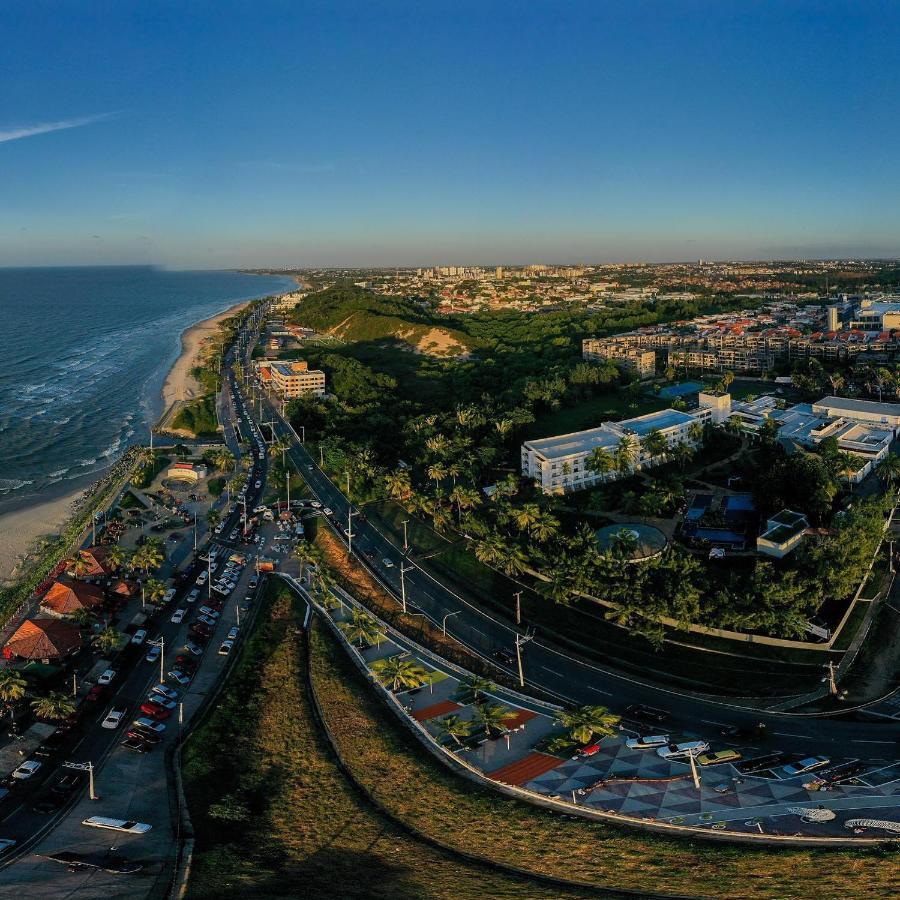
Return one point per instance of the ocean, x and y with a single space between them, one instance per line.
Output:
83 355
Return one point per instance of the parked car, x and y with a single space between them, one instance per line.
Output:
113 718
96 693
153 654
155 711
159 700
136 745
192 596
225 648
126 825
201 579
719 756
149 724
683 750
647 742
26 769
233 633
179 677
193 648
166 692
142 734
208 611
807 765
590 750
178 616
107 677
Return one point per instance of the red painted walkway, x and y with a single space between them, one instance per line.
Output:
524 770
436 709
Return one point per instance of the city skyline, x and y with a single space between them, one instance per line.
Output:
384 134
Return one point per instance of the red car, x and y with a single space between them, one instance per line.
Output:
590 750
96 693
186 662
155 711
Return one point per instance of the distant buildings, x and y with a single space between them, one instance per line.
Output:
293 379
641 362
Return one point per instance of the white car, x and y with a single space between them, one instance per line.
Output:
201 578
178 616
807 765
315 503
139 636
127 825
387 563
166 692
107 677
257 484
233 633
192 596
327 511
153 654
26 769
170 595
683 750
647 742
113 718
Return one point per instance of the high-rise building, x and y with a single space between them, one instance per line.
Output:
834 323
499 272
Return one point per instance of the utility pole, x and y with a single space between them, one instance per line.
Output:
403 571
195 524
518 607
84 767
832 684
444 621
161 643
321 457
404 523
74 685
521 640
694 773
350 515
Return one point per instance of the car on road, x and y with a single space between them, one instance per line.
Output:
327 511
52 744
192 596
254 581
139 637
682 750
113 718
806 765
67 783
6 844
178 616
233 633
136 744
505 657
153 654
201 579
718 757
225 648
387 563
26 769
107 677
648 713
149 724
647 742
126 825
258 484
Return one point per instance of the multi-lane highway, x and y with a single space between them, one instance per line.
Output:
558 673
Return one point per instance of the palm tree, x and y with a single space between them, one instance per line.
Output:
889 470
493 716
655 444
491 550
683 453
398 484
12 688
152 554
464 498
544 528
80 567
473 689
848 464
306 553
437 444
441 518
107 641
213 517
396 673
84 618
233 486
600 461
361 629
116 557
583 722
514 561
155 590
54 705
624 543
223 459
503 426
455 727
437 472
625 454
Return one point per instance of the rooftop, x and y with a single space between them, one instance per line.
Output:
860 406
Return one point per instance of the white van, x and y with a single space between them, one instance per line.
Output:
125 825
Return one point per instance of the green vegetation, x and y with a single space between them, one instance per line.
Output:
198 417
392 766
147 468
275 813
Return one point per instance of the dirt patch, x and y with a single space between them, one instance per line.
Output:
437 342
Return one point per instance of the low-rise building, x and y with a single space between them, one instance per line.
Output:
866 411
783 533
293 379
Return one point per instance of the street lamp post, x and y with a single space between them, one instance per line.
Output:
84 767
518 607
350 515
404 523
403 571
161 643
521 640
444 621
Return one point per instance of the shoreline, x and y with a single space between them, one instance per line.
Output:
179 384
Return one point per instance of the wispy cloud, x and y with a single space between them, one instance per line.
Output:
24 131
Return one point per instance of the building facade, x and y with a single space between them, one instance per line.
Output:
293 379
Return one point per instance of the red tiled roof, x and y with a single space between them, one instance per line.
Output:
436 709
67 596
43 639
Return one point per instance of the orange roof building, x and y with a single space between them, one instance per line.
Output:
125 588
66 597
95 557
40 639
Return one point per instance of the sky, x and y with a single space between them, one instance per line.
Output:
204 135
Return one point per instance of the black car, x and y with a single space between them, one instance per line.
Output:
760 763
507 657
646 713
67 783
137 744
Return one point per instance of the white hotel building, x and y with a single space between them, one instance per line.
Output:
557 464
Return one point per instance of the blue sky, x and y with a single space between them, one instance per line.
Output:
374 132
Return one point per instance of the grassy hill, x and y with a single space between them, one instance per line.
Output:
354 314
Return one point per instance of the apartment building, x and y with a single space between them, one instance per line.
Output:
641 362
293 379
559 464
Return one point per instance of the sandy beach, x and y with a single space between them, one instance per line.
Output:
20 529
179 385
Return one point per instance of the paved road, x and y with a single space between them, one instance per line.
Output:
560 674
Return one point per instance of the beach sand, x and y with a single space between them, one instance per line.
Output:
179 385
20 529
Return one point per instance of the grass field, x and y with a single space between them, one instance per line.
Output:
417 789
275 817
